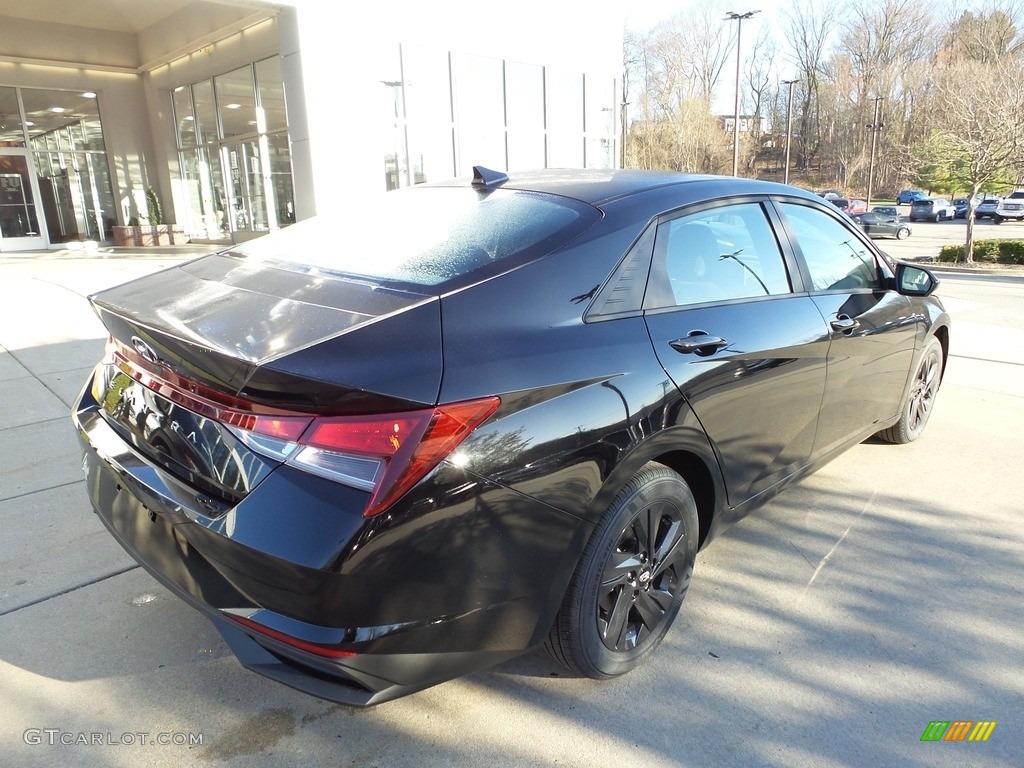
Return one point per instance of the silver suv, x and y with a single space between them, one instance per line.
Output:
932 209
1010 207
987 208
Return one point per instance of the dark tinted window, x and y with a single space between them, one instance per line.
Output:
836 258
428 235
715 255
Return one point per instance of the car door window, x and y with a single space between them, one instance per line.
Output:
836 258
719 254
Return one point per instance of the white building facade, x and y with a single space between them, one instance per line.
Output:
240 117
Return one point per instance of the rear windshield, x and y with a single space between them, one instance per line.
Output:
921 203
426 236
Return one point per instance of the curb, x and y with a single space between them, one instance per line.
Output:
936 266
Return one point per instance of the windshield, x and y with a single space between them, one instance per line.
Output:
426 236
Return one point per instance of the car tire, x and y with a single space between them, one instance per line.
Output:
631 579
919 399
902 233
997 219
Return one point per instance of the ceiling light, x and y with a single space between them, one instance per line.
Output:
89 95
58 110
232 106
29 123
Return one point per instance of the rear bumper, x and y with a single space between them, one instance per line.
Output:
406 634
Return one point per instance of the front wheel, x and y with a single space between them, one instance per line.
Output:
920 399
997 219
631 579
902 233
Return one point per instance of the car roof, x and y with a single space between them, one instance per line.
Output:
598 187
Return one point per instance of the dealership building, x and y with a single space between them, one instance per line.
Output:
238 117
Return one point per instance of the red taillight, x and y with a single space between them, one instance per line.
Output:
318 650
204 400
288 428
378 435
406 445
385 454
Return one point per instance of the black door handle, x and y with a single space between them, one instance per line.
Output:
700 342
845 324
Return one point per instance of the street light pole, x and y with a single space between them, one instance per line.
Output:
622 130
789 125
738 18
875 126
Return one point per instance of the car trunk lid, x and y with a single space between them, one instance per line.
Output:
204 351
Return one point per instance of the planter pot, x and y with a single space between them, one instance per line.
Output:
135 237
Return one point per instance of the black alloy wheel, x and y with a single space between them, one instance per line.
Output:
632 578
920 398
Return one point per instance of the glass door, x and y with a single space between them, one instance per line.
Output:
246 170
20 225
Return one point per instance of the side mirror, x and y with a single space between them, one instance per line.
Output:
912 280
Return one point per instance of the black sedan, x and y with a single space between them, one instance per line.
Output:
388 447
878 224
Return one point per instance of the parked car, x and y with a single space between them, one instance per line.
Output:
931 209
987 208
886 210
962 205
908 196
513 426
1010 207
883 225
849 206
831 194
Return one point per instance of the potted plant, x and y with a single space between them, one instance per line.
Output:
155 232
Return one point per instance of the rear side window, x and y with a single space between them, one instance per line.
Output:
427 236
836 258
719 254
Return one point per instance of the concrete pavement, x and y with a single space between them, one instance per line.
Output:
827 629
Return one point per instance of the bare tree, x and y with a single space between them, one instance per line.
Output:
703 32
880 40
810 24
989 35
677 68
982 135
760 64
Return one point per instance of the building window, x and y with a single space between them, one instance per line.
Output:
427 98
524 109
443 113
565 118
64 134
12 131
233 147
480 113
600 115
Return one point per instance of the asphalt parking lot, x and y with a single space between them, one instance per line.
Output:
827 629
928 237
